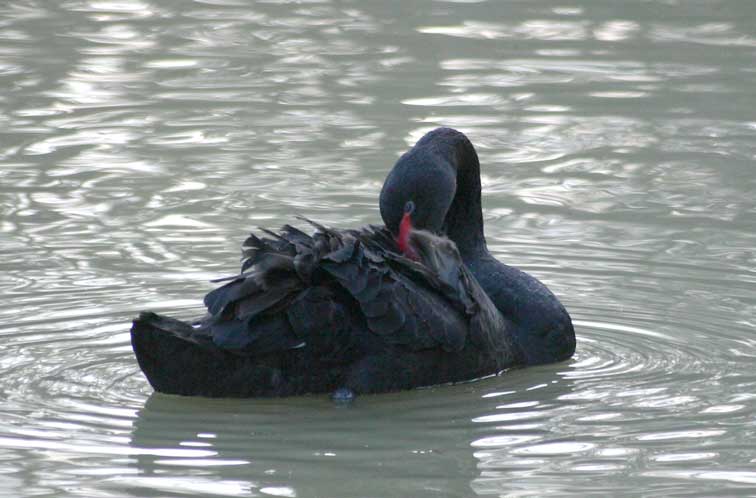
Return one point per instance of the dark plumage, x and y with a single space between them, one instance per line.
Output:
346 311
441 175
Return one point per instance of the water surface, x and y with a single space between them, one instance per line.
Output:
140 141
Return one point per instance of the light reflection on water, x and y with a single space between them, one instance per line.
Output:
142 140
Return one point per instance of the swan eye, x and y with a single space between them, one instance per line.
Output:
409 207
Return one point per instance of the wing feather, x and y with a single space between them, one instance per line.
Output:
328 290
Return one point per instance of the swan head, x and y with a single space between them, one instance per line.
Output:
423 180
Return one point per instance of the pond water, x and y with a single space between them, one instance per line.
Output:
141 140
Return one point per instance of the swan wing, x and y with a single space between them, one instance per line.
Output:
333 291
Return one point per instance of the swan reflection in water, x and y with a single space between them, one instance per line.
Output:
450 438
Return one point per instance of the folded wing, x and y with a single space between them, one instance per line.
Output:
340 292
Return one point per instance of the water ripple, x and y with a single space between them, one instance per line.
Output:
142 139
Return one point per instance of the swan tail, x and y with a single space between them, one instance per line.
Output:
178 358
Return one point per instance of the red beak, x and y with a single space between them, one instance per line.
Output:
402 240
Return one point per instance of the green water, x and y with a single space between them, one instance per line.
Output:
140 141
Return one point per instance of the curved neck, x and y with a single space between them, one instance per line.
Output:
464 220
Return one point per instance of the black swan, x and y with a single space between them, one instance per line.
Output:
415 303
